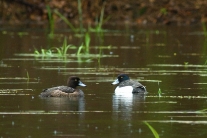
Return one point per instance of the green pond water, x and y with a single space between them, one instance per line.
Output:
172 59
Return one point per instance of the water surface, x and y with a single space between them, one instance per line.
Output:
170 58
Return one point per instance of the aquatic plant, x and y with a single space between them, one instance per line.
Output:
43 52
79 49
27 76
55 51
62 51
159 90
22 33
205 62
152 129
99 22
185 63
163 11
81 29
66 21
203 112
99 57
85 45
80 16
87 42
204 29
51 22
205 35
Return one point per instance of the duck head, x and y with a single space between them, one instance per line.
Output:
74 81
120 78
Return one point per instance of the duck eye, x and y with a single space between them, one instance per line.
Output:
75 79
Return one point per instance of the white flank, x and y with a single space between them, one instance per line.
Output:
124 91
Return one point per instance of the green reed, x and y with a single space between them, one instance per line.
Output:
156 135
204 29
100 21
43 52
80 16
79 49
205 62
85 46
186 63
159 90
205 35
55 51
203 112
51 22
27 76
87 42
62 51
81 29
66 21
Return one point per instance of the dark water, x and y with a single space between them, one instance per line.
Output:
170 58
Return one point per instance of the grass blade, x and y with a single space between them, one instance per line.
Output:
80 16
159 92
66 21
51 21
79 49
59 51
152 129
87 42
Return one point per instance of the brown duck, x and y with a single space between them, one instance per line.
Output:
65 91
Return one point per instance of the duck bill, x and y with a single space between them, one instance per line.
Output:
81 84
115 82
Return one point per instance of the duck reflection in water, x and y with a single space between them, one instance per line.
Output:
129 97
64 104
